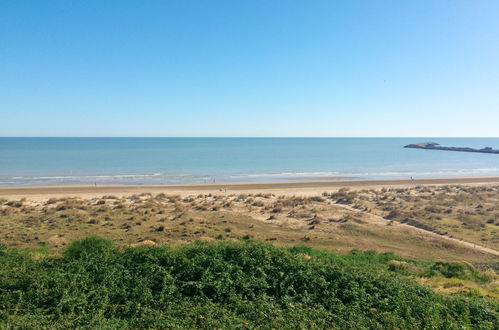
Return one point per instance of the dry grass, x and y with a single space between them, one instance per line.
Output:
465 212
314 221
450 286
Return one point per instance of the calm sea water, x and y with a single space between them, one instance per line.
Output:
42 161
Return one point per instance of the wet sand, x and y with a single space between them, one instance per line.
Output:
302 187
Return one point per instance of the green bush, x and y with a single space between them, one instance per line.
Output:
221 285
449 269
89 247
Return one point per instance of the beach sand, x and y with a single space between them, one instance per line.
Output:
299 188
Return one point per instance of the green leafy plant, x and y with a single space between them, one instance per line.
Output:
243 284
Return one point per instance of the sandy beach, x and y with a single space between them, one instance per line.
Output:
299 188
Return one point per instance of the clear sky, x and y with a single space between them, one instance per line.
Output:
249 68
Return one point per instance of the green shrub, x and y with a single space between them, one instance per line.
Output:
242 284
449 269
88 247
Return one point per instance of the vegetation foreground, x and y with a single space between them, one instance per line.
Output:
242 284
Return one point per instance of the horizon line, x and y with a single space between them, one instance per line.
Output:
248 137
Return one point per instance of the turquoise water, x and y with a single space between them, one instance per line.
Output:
42 161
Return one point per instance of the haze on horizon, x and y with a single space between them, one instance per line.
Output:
249 68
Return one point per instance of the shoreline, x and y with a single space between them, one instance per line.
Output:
298 187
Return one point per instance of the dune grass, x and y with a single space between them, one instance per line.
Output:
317 221
470 213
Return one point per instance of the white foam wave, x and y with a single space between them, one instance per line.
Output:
78 177
284 175
471 171
180 178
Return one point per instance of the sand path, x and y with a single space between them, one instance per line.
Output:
379 220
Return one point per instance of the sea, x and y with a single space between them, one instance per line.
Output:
167 161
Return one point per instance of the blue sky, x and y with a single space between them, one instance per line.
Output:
249 68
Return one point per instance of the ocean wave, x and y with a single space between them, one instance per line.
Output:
73 177
472 171
285 175
139 178
362 174
183 178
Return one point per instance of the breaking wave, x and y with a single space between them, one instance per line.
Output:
183 178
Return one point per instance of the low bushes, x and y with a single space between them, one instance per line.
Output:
221 285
